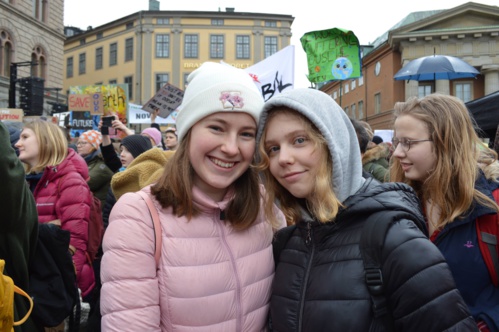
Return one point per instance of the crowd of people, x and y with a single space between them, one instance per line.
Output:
283 215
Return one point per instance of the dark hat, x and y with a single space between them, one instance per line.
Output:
15 129
136 144
377 139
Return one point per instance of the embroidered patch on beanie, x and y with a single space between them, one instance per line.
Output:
215 87
93 137
136 144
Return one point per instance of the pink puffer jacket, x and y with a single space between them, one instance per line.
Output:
210 277
62 193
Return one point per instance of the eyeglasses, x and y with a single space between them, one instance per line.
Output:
406 143
81 143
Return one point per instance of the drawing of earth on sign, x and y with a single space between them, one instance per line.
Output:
342 68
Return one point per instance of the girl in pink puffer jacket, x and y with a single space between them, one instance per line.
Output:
216 266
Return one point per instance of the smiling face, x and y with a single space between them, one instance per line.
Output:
29 148
294 158
420 159
221 149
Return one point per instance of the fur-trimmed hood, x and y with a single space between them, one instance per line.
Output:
375 153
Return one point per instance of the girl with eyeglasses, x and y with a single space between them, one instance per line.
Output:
439 154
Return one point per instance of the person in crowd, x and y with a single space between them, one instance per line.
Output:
19 224
154 135
375 161
363 138
439 154
100 175
216 266
155 125
310 157
57 177
171 138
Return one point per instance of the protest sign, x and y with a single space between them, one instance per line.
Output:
332 54
166 100
11 114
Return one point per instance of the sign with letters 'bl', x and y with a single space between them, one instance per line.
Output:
92 103
166 100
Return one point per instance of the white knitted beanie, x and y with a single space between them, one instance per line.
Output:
213 88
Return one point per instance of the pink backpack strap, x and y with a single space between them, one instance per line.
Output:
156 225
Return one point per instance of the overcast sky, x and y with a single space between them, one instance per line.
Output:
367 19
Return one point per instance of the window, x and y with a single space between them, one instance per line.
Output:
377 103
161 79
217 22
38 57
6 50
346 88
82 63
464 91
335 94
69 67
424 90
40 10
191 46
99 35
361 80
162 46
270 46
129 49
112 81
83 41
361 110
98 58
216 46
163 21
347 111
242 47
113 54
354 111
129 82
271 24
353 85
129 25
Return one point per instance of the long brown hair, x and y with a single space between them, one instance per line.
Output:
450 186
174 189
324 205
53 145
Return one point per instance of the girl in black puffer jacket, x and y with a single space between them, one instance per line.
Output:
312 165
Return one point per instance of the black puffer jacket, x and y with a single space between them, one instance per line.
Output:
319 284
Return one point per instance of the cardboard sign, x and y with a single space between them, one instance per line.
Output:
11 114
86 103
166 100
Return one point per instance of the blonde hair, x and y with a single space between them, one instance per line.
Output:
450 186
174 189
52 145
324 205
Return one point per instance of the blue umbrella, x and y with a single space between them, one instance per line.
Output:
436 67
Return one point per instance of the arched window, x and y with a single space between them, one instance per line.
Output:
6 50
40 62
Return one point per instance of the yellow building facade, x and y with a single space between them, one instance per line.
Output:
150 48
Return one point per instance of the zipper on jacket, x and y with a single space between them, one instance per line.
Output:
308 241
217 218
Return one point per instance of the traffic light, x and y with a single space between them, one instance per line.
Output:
31 98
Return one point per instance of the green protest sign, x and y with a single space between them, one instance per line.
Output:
332 54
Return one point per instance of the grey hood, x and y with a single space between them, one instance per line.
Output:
334 125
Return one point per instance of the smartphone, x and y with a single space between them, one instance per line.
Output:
107 121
